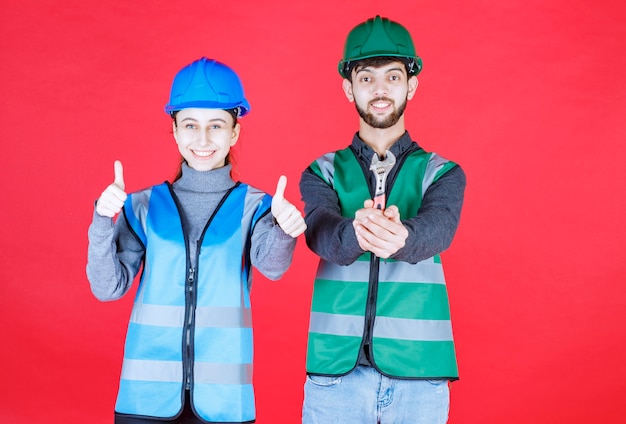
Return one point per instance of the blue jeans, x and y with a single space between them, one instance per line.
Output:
367 397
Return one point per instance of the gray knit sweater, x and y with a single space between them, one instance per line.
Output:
115 255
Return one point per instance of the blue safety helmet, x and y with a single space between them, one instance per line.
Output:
207 83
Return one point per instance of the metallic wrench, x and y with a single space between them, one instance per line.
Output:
381 169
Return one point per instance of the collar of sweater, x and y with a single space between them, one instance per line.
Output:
215 180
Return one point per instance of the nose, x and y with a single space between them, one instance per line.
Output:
380 88
204 138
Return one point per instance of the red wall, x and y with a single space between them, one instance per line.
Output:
529 96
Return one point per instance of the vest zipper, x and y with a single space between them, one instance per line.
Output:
189 318
372 295
190 290
370 308
372 291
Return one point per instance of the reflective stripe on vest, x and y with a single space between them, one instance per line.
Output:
412 332
152 380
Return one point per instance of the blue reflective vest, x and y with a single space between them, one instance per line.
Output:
191 324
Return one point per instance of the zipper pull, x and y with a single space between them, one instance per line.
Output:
191 276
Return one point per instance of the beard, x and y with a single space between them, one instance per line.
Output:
382 123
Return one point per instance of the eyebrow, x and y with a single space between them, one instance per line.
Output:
189 118
368 69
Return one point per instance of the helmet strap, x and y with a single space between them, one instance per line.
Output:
410 65
347 69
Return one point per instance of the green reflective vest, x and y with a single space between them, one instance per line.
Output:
403 306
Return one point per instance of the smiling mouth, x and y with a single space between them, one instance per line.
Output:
381 104
203 153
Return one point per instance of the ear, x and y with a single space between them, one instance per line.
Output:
174 127
413 82
235 135
347 89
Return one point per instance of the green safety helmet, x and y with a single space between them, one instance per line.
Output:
379 37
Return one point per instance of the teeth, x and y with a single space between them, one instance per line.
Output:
380 104
201 153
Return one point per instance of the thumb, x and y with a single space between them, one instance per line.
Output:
119 174
393 213
280 188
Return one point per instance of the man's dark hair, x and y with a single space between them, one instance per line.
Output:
375 62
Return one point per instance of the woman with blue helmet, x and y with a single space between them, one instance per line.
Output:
188 351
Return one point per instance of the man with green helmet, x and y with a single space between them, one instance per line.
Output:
380 347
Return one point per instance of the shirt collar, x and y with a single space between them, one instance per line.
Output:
365 152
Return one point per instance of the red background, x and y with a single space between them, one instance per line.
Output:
529 96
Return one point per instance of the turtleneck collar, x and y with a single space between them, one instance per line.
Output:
215 180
